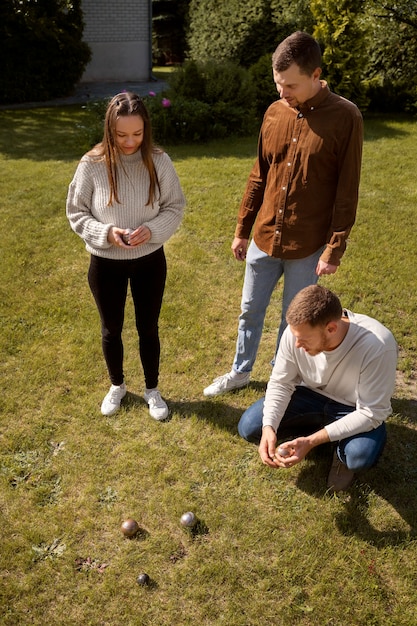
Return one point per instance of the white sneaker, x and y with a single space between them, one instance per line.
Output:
158 408
226 383
111 402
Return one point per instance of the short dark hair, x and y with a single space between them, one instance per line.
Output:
299 48
314 305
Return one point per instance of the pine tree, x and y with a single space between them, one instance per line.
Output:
339 28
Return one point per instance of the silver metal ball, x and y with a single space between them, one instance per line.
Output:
188 519
143 579
126 236
283 452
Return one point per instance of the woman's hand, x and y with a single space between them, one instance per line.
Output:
114 236
139 236
136 237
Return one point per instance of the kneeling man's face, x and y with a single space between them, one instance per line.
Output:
312 339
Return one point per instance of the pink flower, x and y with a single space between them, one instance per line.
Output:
166 103
152 93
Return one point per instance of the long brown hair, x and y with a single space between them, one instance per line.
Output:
124 104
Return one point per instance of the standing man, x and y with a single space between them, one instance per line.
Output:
332 381
301 196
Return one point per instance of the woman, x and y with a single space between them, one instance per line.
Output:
125 201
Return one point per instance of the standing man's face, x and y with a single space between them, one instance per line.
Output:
295 88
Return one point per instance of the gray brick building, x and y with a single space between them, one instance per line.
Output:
120 37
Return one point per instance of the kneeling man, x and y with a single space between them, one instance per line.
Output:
332 381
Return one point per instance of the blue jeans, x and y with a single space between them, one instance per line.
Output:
308 412
261 277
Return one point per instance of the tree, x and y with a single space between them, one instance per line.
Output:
340 29
392 52
222 31
169 25
41 47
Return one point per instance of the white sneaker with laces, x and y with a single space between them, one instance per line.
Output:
112 400
226 383
158 408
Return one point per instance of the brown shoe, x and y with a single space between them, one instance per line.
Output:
340 477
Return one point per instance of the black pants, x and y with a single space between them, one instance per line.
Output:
108 280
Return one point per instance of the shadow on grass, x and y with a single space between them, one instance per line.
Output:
220 413
377 126
394 479
43 134
52 133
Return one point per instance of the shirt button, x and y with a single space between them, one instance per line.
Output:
277 232
289 164
280 211
294 139
284 188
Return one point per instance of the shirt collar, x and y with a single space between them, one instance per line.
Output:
317 99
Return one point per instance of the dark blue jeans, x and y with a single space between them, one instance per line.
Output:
308 412
108 280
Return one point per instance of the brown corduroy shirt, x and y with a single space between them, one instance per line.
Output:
302 192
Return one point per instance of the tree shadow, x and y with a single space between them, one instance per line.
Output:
54 133
43 134
377 126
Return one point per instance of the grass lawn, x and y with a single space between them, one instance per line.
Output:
271 547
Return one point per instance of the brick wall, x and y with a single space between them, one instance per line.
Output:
123 20
119 35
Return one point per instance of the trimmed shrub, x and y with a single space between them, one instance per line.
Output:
203 101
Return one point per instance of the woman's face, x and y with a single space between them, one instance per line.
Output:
129 133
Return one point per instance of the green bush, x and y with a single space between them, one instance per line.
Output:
225 88
179 120
262 79
235 31
386 96
43 55
202 102
212 82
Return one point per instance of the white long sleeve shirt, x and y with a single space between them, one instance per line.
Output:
360 373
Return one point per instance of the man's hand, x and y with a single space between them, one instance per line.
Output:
325 268
267 446
239 248
297 449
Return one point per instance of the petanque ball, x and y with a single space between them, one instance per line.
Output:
130 527
283 452
143 579
126 237
188 519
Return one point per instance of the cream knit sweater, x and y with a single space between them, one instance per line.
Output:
91 217
360 373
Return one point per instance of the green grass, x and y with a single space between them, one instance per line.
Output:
271 547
